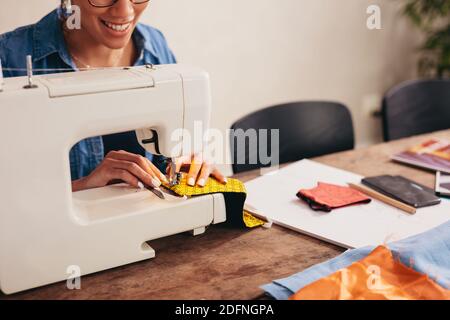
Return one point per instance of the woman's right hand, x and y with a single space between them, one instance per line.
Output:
122 166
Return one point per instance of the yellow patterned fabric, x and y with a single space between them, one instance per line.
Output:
251 221
212 186
233 187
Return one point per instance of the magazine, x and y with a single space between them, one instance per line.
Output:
433 154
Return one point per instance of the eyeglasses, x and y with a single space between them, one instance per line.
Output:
110 3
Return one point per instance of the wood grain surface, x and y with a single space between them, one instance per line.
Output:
226 263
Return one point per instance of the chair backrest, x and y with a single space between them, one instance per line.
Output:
306 129
416 107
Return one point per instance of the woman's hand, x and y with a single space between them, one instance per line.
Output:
198 170
122 166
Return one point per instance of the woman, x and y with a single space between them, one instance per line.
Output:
110 36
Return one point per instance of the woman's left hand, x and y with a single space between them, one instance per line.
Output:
198 170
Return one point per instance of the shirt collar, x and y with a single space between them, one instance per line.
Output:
143 41
49 39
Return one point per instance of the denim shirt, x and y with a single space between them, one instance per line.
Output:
45 42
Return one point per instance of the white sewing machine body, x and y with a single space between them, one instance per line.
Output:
44 227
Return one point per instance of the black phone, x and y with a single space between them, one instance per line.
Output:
404 190
442 187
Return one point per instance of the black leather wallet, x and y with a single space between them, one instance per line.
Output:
404 190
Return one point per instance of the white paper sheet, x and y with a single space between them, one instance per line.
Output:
376 223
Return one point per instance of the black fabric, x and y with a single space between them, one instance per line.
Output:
307 129
313 204
416 107
126 141
234 204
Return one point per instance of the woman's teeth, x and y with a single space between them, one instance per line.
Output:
117 27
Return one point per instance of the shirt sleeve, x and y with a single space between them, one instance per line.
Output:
14 47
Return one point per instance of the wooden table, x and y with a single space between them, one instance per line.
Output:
227 263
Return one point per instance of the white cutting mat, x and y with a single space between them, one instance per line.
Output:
376 223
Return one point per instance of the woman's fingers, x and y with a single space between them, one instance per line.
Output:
219 176
156 171
199 170
194 170
204 174
124 166
148 178
125 176
143 163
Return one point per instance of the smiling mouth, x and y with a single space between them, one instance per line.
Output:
123 27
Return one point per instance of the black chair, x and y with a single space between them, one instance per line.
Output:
306 130
416 107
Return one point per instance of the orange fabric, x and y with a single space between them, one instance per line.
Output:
333 196
377 277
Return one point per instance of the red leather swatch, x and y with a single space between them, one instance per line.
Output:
326 197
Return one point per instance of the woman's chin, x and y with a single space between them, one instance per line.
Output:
115 43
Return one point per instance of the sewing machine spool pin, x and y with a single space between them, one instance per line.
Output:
30 84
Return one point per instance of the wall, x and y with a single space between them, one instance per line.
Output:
263 52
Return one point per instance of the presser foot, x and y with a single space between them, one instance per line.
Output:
172 176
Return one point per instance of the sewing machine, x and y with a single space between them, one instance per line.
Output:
45 229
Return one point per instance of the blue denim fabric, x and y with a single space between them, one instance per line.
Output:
45 42
427 253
